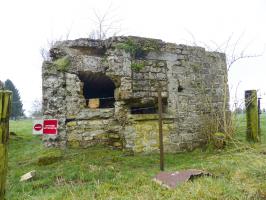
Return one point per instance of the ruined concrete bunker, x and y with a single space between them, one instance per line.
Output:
122 76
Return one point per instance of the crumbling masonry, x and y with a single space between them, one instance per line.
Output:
124 74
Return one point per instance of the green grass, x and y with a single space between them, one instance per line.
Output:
241 127
102 173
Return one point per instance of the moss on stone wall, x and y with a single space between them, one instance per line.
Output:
147 135
138 50
137 65
62 64
73 123
144 47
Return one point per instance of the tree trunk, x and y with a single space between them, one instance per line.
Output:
251 103
5 108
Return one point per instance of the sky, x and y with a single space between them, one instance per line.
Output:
29 25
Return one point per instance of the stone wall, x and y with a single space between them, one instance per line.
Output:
193 83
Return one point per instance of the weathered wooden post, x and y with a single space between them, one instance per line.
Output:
160 109
259 113
5 108
251 103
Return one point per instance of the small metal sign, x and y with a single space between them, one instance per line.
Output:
50 126
37 128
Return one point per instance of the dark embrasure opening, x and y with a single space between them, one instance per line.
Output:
99 86
148 108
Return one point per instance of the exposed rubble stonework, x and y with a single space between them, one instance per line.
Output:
124 73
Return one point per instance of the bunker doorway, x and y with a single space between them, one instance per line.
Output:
98 86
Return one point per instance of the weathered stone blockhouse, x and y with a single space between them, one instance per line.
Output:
123 75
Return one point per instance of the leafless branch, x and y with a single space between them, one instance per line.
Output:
194 41
235 58
44 51
233 50
106 24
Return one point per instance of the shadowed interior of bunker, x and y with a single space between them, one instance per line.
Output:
98 85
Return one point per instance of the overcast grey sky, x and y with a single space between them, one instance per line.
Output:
27 25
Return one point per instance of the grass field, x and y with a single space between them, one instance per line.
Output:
102 173
241 128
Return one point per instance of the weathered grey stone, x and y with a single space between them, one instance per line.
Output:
95 114
193 82
28 176
162 56
93 133
115 136
74 137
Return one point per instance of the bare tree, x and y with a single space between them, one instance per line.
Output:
44 51
36 110
231 47
234 51
106 24
222 120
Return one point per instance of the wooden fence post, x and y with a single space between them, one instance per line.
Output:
259 113
251 103
5 109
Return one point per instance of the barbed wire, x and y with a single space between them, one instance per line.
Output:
145 108
84 99
242 100
134 109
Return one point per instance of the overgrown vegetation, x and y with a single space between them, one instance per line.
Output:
217 119
101 173
137 65
62 64
138 50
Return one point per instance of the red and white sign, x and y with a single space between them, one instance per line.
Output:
37 127
50 126
47 126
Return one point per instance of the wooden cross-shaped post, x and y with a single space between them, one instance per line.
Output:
160 112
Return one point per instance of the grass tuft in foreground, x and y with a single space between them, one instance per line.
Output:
101 173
